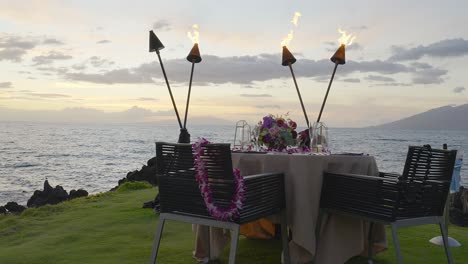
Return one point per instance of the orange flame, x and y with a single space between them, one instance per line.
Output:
287 39
346 39
194 35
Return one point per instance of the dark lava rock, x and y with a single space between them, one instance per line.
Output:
78 193
48 196
146 173
3 210
15 208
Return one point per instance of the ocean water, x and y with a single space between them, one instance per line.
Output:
95 156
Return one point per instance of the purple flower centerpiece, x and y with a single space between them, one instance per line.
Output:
276 133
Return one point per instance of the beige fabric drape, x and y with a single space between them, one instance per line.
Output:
341 237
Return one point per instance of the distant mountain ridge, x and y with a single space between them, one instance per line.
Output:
442 118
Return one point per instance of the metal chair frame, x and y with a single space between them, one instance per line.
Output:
181 199
417 197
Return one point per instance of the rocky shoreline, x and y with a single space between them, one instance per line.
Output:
51 195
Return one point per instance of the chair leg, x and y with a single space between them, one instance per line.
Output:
234 240
396 243
370 243
284 237
157 238
446 243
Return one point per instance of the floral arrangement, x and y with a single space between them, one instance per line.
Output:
277 132
202 178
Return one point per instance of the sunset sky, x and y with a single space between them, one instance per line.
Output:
87 61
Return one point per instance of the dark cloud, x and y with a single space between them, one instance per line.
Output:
51 41
441 49
246 70
5 84
162 25
255 95
50 58
268 106
352 80
379 78
429 76
459 89
104 41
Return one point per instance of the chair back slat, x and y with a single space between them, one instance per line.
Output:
178 188
425 182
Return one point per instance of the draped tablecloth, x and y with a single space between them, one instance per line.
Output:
341 237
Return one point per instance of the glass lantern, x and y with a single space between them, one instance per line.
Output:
242 136
319 135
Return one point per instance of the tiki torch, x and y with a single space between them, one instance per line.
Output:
289 59
193 57
156 45
337 58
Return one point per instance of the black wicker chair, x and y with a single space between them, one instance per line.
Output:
416 197
181 199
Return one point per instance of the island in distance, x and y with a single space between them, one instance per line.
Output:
442 118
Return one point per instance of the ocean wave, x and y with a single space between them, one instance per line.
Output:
392 139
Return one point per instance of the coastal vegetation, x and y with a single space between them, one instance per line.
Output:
112 227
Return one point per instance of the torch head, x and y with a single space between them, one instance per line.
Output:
288 58
154 43
339 56
194 55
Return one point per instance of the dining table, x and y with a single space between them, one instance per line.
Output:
339 238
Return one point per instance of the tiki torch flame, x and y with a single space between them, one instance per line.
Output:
290 36
194 36
296 18
346 39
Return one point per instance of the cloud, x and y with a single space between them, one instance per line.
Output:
50 58
51 41
255 95
5 84
162 25
104 41
246 70
333 46
459 89
110 77
352 80
12 54
441 49
268 106
98 61
48 95
429 76
147 99
378 78
14 47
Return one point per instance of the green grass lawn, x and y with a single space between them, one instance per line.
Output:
113 228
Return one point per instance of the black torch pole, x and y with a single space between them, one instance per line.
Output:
188 95
328 90
169 88
299 94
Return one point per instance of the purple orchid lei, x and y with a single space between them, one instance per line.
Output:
202 178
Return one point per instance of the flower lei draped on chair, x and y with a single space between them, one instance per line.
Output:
202 178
